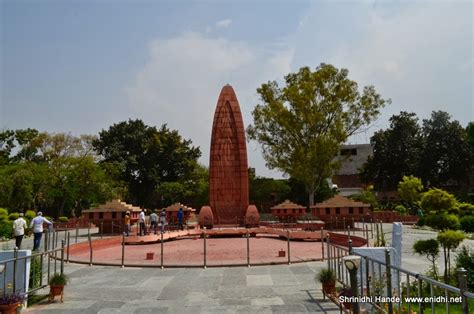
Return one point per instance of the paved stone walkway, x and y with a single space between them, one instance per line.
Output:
260 289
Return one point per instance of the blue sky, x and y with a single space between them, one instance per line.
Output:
80 66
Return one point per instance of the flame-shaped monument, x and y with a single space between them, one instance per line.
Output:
228 166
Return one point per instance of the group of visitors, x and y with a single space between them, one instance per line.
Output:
155 221
36 225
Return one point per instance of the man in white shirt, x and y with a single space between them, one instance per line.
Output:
141 222
37 225
19 226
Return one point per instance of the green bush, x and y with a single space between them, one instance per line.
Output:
466 209
421 222
467 223
6 228
326 276
30 215
443 221
401 209
13 216
3 213
465 259
58 279
63 219
35 272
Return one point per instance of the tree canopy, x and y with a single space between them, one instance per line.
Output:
143 157
302 125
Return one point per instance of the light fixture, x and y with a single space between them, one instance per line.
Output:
352 262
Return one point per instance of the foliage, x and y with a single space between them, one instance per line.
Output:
396 152
326 275
30 215
12 298
439 152
302 125
6 228
429 248
143 157
465 259
449 240
35 272
447 156
401 209
58 279
267 191
63 219
466 209
436 200
442 221
367 196
3 213
13 216
467 223
409 190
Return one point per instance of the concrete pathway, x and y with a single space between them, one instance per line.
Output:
260 289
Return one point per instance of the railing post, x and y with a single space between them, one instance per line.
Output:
123 250
322 243
463 287
350 246
161 240
372 228
367 235
68 244
112 227
90 248
343 223
389 279
77 231
15 256
46 241
248 249
328 250
367 276
205 253
62 256
102 229
289 254
337 225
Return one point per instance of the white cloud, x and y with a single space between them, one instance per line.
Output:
181 81
223 23
419 54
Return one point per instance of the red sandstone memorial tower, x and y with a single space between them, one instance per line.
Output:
228 167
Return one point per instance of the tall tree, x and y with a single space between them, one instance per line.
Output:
302 125
146 157
447 156
396 152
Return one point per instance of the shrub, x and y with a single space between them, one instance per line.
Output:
63 219
12 298
35 272
58 279
30 215
466 209
6 228
443 221
467 223
401 209
326 276
13 216
3 213
465 259
421 222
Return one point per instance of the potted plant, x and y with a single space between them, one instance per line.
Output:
10 302
328 279
56 285
346 292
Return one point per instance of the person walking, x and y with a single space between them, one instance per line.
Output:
19 226
127 223
37 225
180 219
141 222
163 220
153 221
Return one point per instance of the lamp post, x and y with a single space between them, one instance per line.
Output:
352 263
